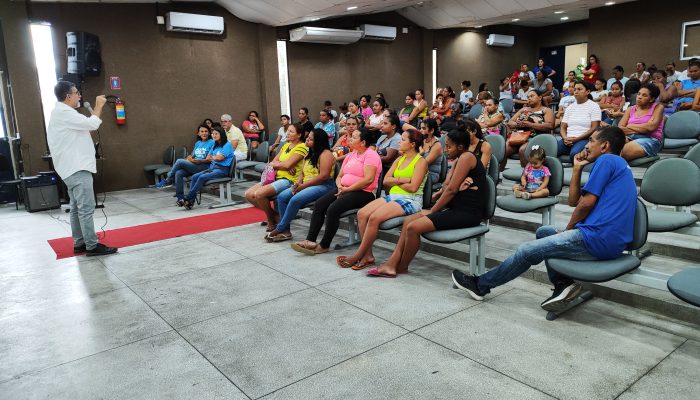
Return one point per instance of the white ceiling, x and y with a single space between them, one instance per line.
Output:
432 14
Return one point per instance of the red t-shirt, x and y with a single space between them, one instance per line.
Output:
591 78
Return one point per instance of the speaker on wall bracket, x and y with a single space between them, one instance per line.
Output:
83 53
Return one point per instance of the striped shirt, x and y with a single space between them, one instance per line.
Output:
579 117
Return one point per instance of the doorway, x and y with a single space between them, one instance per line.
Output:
554 59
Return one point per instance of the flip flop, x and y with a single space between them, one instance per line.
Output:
374 272
270 228
304 250
280 237
342 262
362 265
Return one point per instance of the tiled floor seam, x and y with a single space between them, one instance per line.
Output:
334 365
650 369
486 366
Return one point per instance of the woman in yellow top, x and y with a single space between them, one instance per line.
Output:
315 180
404 180
287 164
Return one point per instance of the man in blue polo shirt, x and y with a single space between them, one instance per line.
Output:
600 227
690 85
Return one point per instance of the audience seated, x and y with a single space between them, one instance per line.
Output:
208 122
612 102
641 73
543 85
599 229
535 118
525 74
643 124
491 118
379 96
431 149
548 72
314 181
407 111
689 86
326 123
287 166
342 146
520 99
458 204
194 163
366 106
220 157
671 74
580 120
328 106
388 144
252 128
696 101
353 111
230 128
444 109
374 122
421 106
570 78
466 97
591 70
667 92
505 89
285 122
342 114
617 76
306 124
405 182
357 180
599 91
535 178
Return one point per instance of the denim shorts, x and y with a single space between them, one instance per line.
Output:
281 184
650 145
409 204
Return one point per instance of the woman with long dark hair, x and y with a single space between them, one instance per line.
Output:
592 69
220 158
314 181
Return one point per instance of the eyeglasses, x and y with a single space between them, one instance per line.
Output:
77 93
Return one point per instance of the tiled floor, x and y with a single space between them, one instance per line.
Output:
226 315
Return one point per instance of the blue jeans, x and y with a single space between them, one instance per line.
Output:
82 207
549 244
180 171
200 178
288 204
572 150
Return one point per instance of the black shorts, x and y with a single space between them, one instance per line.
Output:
454 219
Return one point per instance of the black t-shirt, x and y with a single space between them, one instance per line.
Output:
308 126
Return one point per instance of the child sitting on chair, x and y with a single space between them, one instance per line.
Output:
535 178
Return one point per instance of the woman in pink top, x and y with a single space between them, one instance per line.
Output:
365 106
643 124
356 183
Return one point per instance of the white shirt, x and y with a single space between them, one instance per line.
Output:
376 120
566 101
70 142
578 117
465 96
613 80
672 78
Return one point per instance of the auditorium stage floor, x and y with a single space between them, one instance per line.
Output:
226 315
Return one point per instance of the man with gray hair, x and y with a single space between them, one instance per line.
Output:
235 136
73 155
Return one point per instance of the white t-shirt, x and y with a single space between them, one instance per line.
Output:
376 120
578 117
672 78
613 80
566 101
69 140
597 95
522 95
282 134
465 96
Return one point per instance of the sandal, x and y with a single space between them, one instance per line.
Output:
305 249
320 250
270 228
342 262
360 265
374 272
280 237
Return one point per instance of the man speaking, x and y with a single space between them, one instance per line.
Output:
73 156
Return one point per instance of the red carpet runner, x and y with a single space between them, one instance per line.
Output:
139 234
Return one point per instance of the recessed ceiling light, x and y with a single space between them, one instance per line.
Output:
559 12
516 19
609 3
352 8
564 18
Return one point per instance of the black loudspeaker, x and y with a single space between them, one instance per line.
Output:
84 53
40 193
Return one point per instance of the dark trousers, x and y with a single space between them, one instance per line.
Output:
329 207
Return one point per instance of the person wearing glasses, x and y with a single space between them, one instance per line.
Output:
73 154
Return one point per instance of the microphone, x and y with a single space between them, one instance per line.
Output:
87 105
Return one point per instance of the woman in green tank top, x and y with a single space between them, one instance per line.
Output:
404 181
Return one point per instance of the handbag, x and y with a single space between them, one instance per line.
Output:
268 175
519 138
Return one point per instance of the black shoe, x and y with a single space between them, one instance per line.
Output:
101 250
189 204
79 249
180 203
467 283
562 296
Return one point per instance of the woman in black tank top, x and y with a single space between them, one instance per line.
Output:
459 204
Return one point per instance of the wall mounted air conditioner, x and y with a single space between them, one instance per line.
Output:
312 34
378 32
194 23
500 40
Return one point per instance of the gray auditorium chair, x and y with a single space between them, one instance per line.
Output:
693 155
475 236
259 168
546 205
686 285
475 111
584 174
351 215
225 193
168 159
492 169
602 270
161 172
498 146
681 129
671 182
507 105
544 140
272 138
646 161
262 156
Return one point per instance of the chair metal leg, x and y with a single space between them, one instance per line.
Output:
353 234
473 250
482 255
225 197
583 297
